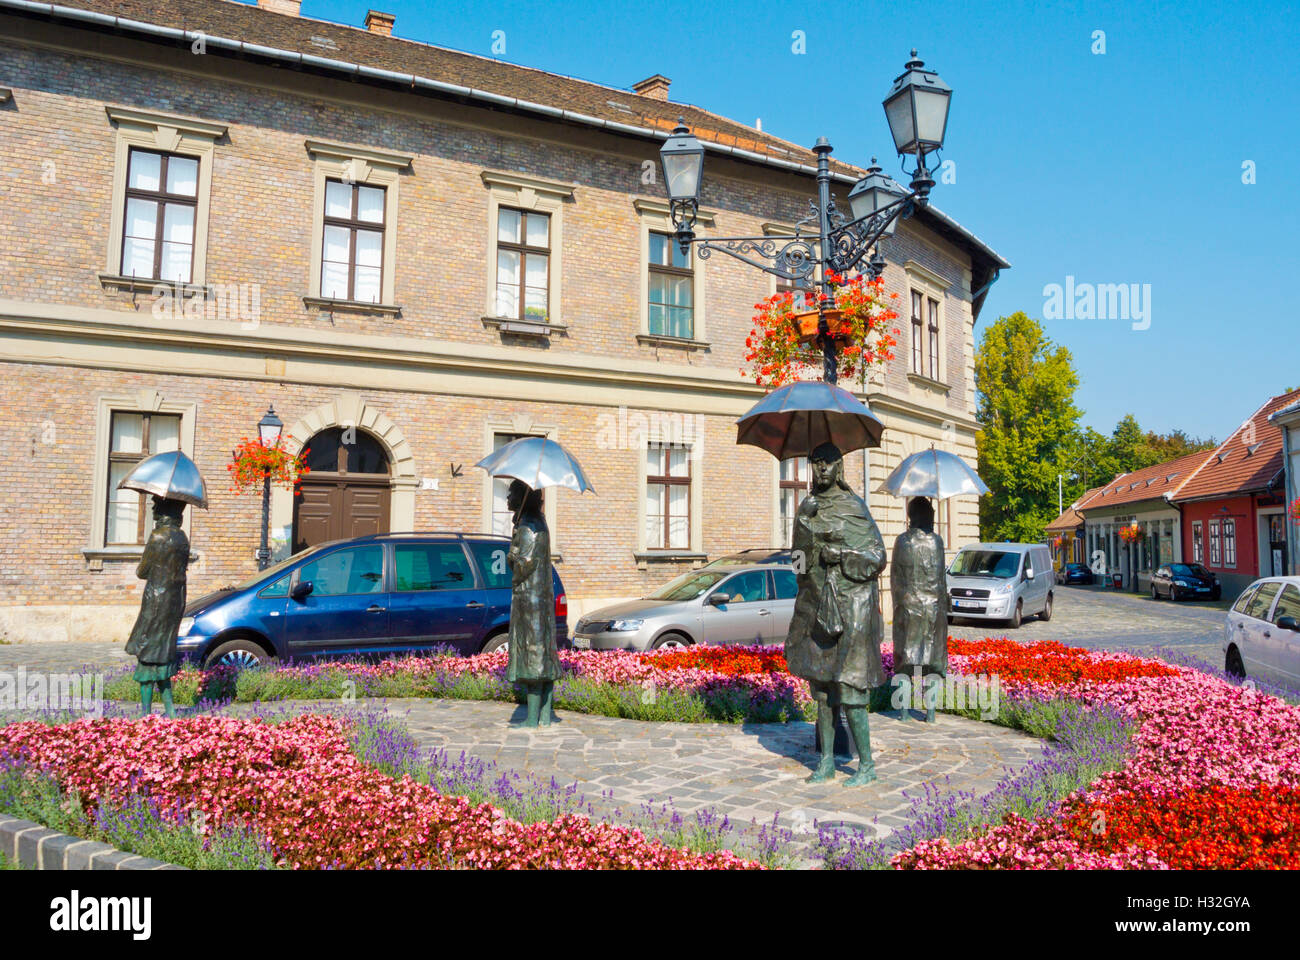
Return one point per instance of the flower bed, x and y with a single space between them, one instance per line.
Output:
1210 778
312 801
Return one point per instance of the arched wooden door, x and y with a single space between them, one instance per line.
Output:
346 492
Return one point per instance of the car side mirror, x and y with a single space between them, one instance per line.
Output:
718 599
1029 573
301 590
1289 623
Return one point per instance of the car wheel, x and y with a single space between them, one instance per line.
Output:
672 641
1216 593
496 642
1174 595
1047 609
1233 666
1017 617
237 653
1155 594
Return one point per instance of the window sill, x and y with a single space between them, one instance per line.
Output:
147 285
667 556
922 380
524 328
351 306
113 553
660 340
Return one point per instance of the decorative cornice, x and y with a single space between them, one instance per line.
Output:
661 208
928 275
341 151
148 118
523 181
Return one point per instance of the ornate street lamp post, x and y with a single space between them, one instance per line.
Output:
268 430
917 110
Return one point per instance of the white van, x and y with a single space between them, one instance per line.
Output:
1001 581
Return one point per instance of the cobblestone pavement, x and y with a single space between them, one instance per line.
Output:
1098 618
747 771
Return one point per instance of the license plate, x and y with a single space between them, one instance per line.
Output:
582 643
967 603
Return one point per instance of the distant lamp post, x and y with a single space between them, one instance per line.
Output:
269 429
917 110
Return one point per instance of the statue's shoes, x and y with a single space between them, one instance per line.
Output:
865 775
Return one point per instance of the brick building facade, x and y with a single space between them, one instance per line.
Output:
412 338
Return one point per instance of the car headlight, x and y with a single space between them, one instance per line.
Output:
184 628
1181 583
1005 588
619 625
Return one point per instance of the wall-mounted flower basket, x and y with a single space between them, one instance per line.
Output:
806 325
1132 534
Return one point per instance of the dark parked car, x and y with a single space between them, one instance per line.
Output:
381 594
1074 573
1184 581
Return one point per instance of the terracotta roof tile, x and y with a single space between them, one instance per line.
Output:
1071 517
251 24
1166 478
1249 460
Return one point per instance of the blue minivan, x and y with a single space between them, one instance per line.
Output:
381 594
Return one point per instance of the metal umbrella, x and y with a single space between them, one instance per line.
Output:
794 420
170 475
538 462
934 473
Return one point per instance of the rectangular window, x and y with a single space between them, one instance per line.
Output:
1229 543
503 521
523 264
917 327
352 252
1198 547
158 221
934 338
672 289
793 488
1216 556
134 436
668 497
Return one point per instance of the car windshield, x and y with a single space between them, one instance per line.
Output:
1185 570
689 585
1075 567
985 563
748 557
271 573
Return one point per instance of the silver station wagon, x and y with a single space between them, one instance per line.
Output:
737 603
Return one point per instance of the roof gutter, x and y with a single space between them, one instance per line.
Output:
428 85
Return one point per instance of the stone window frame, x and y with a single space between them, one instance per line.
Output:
525 426
367 166
143 401
931 286
530 194
165 133
654 216
695 551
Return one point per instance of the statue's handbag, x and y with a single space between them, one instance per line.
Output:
829 624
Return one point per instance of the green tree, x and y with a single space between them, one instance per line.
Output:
1028 426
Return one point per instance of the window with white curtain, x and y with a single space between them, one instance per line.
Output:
668 497
134 436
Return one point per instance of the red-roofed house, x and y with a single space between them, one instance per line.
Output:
1141 499
1234 509
1065 534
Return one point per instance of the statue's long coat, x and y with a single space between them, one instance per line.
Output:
853 657
532 603
919 589
162 567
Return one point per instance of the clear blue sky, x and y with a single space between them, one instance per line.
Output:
1122 167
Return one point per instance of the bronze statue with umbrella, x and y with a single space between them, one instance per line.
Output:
173 480
532 464
917 577
837 628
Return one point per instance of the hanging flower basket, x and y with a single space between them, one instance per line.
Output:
806 324
253 462
1295 509
1132 534
782 346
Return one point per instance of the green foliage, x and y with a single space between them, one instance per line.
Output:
1028 420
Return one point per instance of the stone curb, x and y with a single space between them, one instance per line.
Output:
39 848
